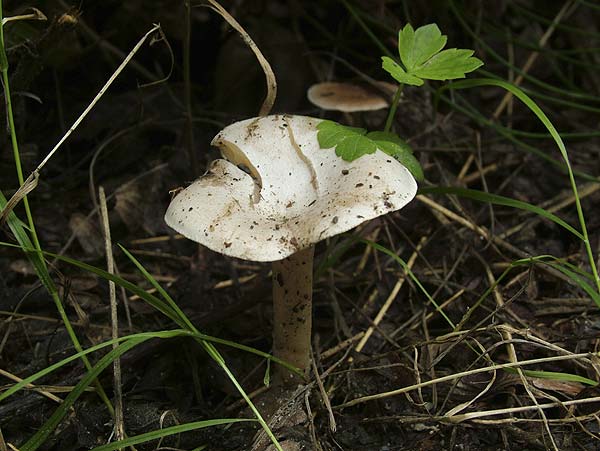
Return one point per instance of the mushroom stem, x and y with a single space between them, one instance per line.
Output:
292 313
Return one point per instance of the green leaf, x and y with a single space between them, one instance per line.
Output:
449 64
398 73
354 146
553 375
423 59
396 147
407 159
417 47
352 143
391 137
331 134
406 43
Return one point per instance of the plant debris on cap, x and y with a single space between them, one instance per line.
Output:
349 97
277 192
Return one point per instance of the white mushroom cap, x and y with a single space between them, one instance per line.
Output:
296 194
349 97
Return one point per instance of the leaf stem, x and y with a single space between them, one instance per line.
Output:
393 108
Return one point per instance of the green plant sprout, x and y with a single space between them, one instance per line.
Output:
421 58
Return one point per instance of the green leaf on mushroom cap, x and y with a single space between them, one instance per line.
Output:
423 58
351 143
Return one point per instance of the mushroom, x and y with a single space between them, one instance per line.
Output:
272 197
350 97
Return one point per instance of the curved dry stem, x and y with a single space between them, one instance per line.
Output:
267 105
292 313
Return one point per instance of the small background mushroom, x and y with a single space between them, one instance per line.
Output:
351 97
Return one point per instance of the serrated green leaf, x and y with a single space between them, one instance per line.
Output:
406 42
354 146
331 133
392 137
399 74
396 147
404 155
352 143
417 47
449 64
410 162
422 56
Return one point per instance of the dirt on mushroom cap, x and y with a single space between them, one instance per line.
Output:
295 195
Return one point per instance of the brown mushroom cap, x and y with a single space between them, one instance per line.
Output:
349 97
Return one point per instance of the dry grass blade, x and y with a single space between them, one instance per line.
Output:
110 267
440 211
340 346
495 412
324 396
34 175
264 64
563 13
552 207
31 386
35 14
454 376
512 355
23 191
459 408
388 302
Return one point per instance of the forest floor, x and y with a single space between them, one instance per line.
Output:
512 362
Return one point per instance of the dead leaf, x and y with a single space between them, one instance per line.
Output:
88 236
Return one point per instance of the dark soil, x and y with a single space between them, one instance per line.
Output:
135 144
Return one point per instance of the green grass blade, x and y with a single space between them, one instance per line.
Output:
187 324
555 376
34 254
412 276
507 133
183 320
145 335
482 196
155 302
535 109
48 370
550 99
210 349
575 277
19 230
132 288
577 270
50 425
161 433
489 51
